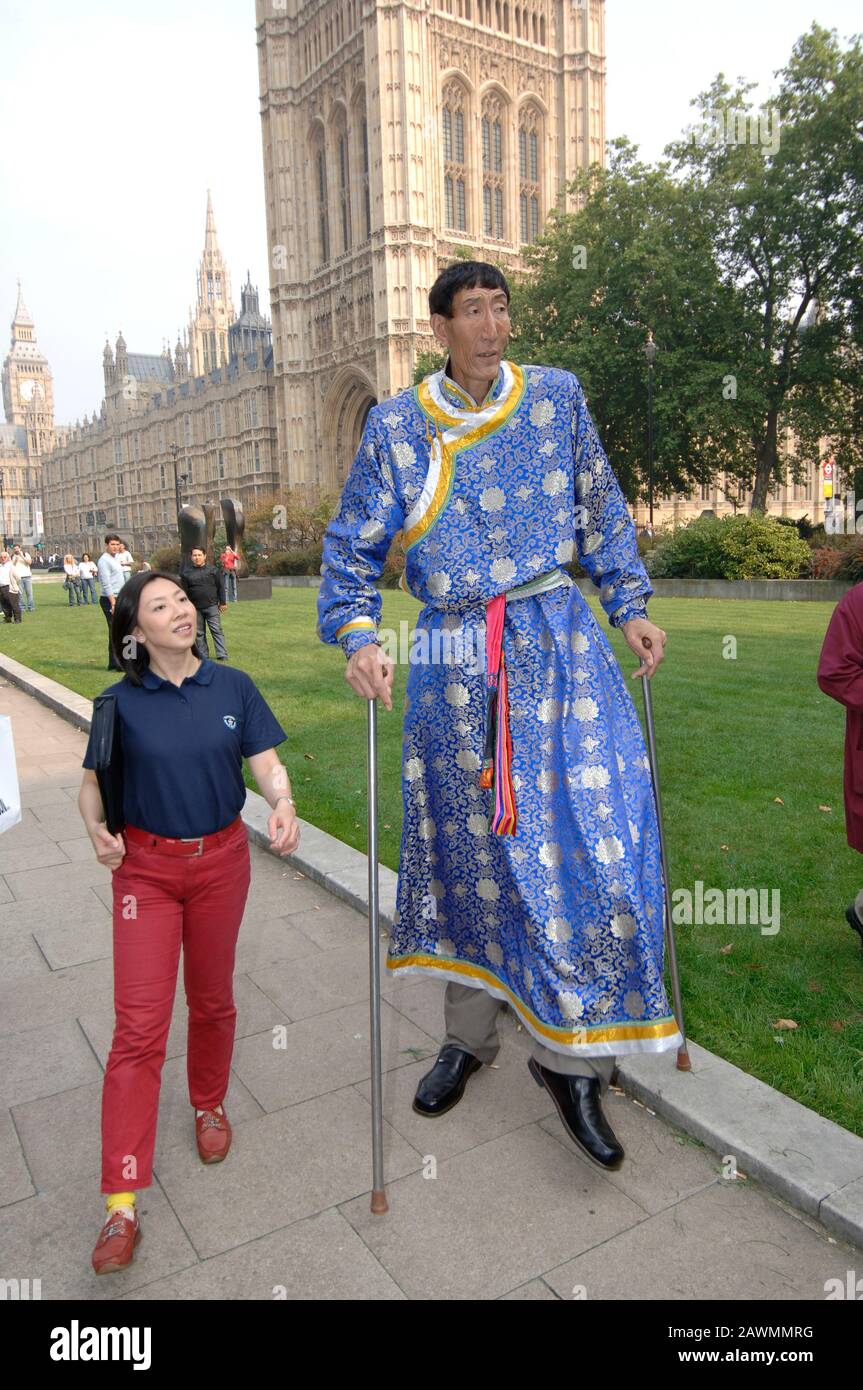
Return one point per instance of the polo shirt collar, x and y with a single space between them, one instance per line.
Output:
203 676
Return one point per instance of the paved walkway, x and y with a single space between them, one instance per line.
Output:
490 1201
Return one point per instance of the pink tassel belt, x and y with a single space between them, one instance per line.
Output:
497 753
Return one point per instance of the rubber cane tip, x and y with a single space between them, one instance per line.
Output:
683 1062
379 1203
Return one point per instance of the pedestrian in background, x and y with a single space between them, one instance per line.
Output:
205 585
9 594
840 675
72 582
229 565
87 570
110 582
22 560
126 559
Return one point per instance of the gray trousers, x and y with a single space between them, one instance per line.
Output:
471 1023
213 620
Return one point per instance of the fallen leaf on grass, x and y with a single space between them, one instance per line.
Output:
836 1024
815 987
723 950
825 808
310 756
785 1023
779 800
723 847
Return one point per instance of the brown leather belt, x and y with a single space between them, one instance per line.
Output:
185 848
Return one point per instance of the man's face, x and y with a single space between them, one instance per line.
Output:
477 333
198 557
114 547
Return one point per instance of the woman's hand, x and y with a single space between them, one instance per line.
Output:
648 642
370 672
283 828
110 849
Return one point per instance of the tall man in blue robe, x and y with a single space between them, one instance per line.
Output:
529 867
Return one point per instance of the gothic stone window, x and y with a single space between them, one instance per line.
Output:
320 176
455 169
529 126
344 187
367 206
492 167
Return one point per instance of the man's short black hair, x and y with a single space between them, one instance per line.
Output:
112 537
464 275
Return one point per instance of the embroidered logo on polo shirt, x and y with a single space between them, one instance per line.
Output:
230 720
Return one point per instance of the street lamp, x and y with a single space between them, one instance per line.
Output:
178 477
650 351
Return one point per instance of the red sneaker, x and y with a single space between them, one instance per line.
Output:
213 1133
116 1244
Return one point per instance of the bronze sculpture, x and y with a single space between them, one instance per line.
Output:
196 524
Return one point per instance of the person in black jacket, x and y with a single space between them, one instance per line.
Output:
205 585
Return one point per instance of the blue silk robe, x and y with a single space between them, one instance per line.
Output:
564 918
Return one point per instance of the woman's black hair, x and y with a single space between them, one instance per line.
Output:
125 618
464 275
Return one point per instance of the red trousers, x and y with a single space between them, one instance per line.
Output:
160 902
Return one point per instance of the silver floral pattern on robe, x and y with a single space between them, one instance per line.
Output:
564 918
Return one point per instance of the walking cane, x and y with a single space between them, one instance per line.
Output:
683 1062
379 1203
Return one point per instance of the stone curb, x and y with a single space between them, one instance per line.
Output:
809 1161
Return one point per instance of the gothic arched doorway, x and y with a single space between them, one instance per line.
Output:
346 406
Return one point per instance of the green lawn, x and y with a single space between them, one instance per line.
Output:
733 735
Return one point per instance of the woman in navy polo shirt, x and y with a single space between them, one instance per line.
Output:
181 875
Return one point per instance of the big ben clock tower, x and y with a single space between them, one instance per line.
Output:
28 388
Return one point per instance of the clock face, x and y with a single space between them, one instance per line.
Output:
30 390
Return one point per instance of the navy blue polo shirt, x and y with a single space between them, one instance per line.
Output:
183 748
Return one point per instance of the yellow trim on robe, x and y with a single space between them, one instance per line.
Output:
457 434
363 623
621 1032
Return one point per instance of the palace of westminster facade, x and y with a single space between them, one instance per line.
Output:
394 136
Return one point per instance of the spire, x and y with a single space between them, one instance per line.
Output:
213 313
210 243
107 364
22 314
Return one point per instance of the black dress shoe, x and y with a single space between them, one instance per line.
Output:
854 921
443 1086
578 1104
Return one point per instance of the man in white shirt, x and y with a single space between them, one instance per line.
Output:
9 597
111 580
126 559
22 560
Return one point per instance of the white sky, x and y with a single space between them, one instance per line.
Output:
115 123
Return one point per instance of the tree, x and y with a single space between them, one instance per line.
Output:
638 256
788 226
744 261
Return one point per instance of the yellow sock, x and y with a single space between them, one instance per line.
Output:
119 1199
